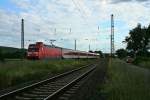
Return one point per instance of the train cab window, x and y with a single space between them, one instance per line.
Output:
33 49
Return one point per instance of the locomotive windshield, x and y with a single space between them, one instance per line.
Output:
33 48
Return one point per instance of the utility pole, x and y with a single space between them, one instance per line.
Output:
98 29
75 44
55 30
89 44
70 30
22 34
89 47
112 36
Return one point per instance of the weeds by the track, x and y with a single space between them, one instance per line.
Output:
16 72
127 82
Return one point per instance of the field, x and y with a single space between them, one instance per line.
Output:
126 82
17 72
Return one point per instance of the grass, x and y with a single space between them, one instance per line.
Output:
17 72
142 62
127 82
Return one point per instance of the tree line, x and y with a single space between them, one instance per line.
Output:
18 54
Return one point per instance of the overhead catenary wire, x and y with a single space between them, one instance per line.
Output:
77 5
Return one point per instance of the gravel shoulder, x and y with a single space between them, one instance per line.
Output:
93 84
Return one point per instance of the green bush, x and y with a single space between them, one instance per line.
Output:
16 55
121 53
141 60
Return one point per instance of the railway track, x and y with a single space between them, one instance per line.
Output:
55 88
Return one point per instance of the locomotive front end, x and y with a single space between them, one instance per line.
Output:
33 52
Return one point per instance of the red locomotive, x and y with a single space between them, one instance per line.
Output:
42 51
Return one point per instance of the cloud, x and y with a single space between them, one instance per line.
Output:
42 17
121 1
142 0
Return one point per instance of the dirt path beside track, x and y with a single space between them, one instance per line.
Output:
89 90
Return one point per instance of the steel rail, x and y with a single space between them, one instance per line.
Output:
62 90
6 95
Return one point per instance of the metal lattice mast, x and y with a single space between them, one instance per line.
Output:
75 44
22 34
112 36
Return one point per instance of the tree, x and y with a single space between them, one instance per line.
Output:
121 53
138 39
148 36
1 55
91 51
100 52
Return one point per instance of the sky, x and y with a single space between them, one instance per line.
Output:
87 21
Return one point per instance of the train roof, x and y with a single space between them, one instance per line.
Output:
54 46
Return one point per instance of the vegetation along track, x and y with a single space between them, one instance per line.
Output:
52 88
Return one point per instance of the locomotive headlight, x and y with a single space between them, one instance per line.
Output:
32 54
29 53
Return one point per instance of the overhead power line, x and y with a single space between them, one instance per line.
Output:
77 5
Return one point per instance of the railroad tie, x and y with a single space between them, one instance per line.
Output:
63 98
25 98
